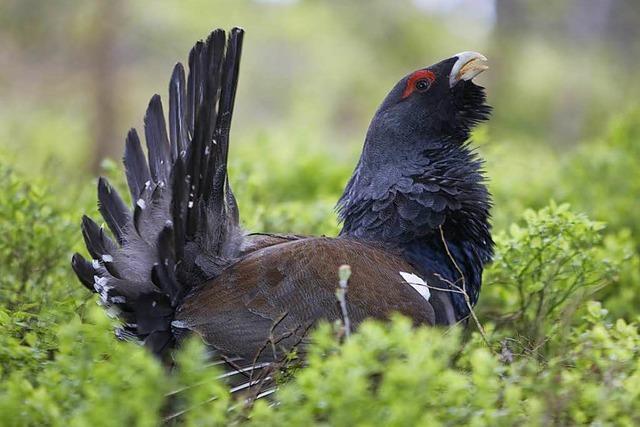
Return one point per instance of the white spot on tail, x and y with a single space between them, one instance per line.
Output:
101 285
118 299
417 283
107 258
179 324
141 203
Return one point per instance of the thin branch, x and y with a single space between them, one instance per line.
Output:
270 339
463 290
344 273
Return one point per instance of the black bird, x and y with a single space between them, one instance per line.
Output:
415 219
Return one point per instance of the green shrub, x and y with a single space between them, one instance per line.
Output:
392 374
93 380
386 374
544 270
622 298
37 290
600 178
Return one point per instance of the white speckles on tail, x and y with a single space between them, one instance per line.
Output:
101 285
118 299
179 324
417 283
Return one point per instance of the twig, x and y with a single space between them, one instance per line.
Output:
344 272
467 300
270 339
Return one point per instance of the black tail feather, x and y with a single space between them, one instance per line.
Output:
177 103
179 203
113 209
205 129
155 131
136 167
163 274
184 227
99 245
83 270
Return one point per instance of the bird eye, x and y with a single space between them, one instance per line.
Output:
423 84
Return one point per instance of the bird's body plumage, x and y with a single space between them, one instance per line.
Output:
282 289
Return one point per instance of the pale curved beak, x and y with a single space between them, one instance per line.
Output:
468 65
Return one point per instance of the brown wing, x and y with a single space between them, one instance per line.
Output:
281 290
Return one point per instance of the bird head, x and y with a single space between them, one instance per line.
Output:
436 103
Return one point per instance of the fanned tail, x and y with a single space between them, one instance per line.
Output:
183 226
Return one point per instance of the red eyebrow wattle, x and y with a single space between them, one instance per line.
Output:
413 78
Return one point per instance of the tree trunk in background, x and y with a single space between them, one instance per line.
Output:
623 30
103 66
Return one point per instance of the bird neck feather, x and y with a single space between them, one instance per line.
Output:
432 205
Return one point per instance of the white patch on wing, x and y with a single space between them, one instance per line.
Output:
417 283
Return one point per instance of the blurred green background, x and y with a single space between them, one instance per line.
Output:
75 75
